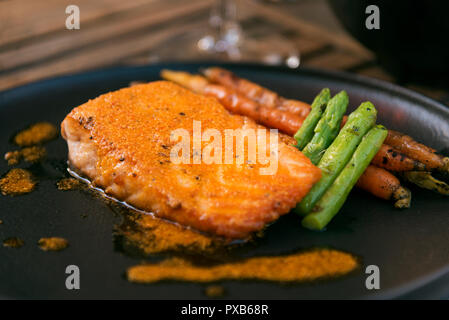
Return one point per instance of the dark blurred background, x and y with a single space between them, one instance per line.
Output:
408 49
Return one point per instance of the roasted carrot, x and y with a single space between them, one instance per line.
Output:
385 185
343 121
237 103
414 150
195 83
399 153
401 142
425 157
259 94
445 167
427 181
391 159
271 117
243 86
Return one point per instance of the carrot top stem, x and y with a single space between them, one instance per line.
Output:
402 197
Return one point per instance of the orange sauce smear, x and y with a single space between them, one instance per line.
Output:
299 267
152 236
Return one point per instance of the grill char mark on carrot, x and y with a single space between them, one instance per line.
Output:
257 93
424 156
393 155
237 103
385 185
271 117
414 150
391 159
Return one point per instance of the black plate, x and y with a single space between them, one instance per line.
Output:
410 247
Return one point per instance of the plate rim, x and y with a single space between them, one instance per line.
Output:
374 83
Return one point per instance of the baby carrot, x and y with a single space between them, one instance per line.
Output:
270 117
236 102
255 92
426 181
195 83
391 159
414 150
383 184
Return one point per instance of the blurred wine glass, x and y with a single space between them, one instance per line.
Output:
225 39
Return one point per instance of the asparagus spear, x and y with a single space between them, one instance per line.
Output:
339 153
331 202
327 128
305 133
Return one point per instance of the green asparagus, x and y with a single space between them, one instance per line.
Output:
327 128
305 133
333 199
339 153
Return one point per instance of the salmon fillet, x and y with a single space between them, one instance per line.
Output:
121 142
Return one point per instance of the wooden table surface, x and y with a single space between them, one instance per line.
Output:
35 44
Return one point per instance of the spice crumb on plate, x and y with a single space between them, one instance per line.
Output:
151 235
29 154
35 134
53 243
13 242
16 182
214 291
68 184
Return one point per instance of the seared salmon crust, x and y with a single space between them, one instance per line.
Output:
121 142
